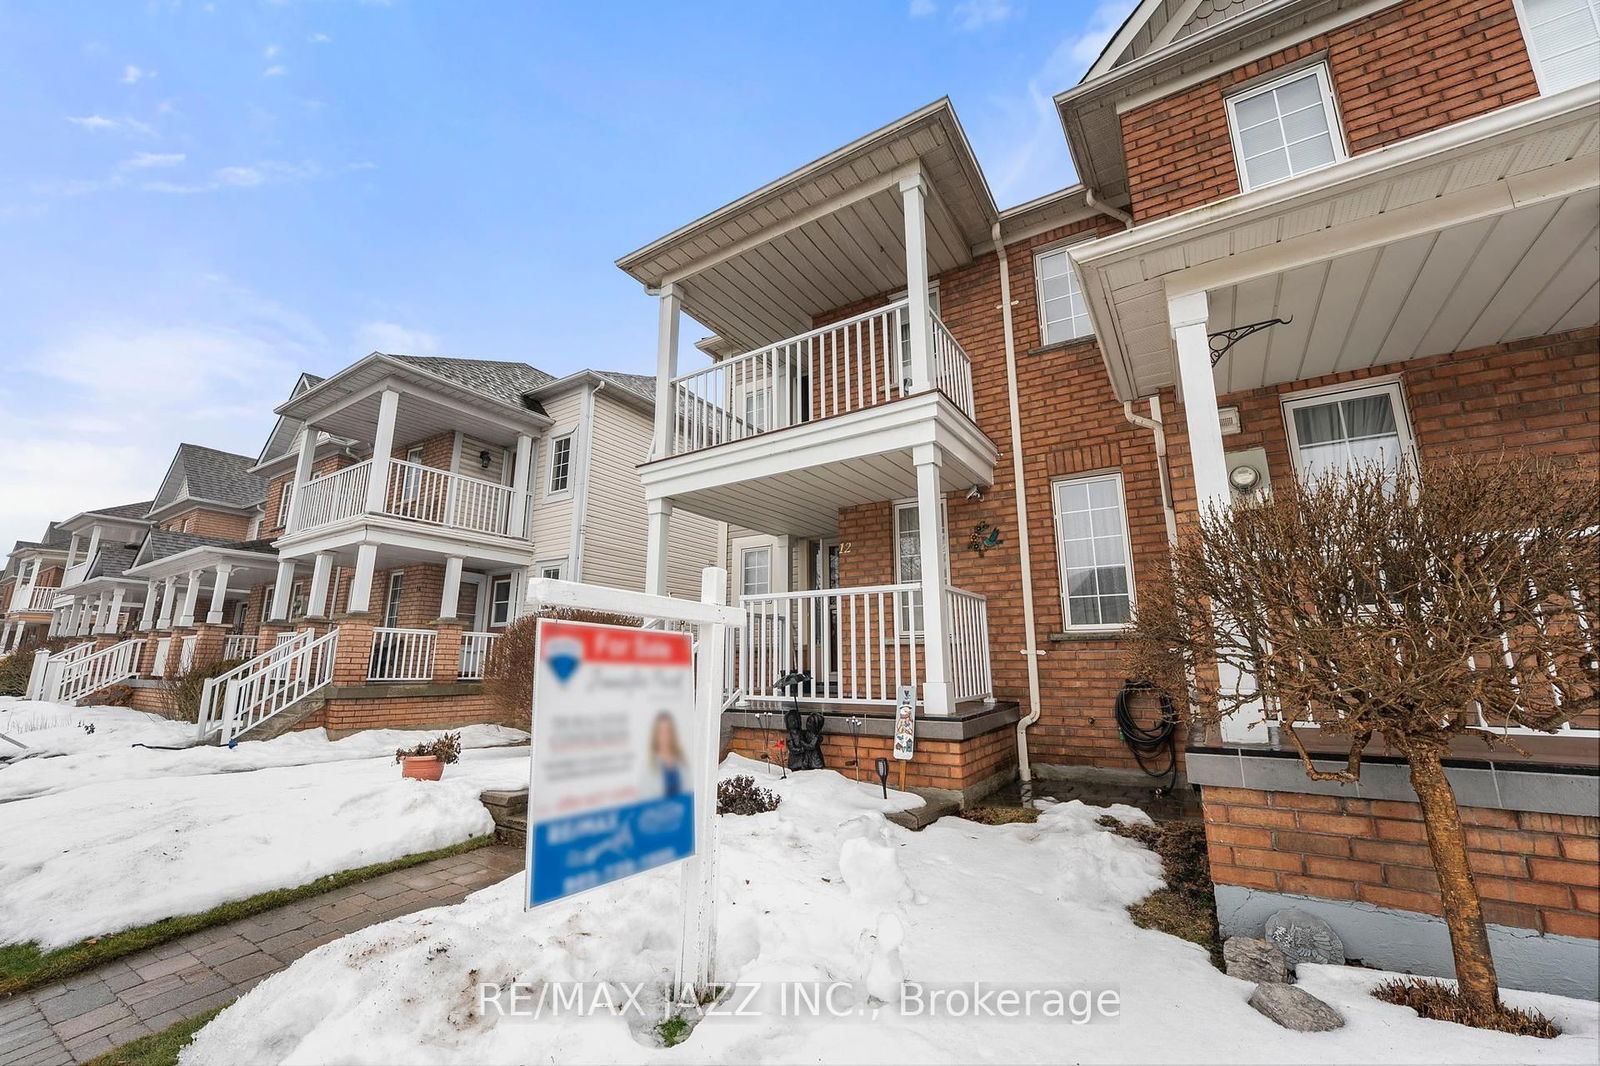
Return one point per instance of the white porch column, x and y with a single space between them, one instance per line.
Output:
361 580
302 475
55 622
382 452
5 637
147 617
88 616
913 198
520 480
281 591
168 601
191 596
219 591
666 369
94 543
1188 315
659 518
114 611
72 551
936 693
450 597
321 578
102 612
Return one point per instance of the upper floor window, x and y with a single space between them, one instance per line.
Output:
560 464
1284 128
1334 431
555 570
1563 40
283 504
1063 312
1095 555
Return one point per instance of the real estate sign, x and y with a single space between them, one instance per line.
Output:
611 793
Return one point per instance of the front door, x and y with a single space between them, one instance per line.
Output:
825 576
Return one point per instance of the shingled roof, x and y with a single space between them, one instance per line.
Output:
643 384
498 380
124 510
201 473
111 560
55 539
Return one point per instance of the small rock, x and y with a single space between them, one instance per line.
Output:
1294 1008
1256 961
1304 937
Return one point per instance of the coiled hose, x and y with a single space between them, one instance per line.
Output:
1147 743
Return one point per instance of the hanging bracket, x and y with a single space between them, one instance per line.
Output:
1223 340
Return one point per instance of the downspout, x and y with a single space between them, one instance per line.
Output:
1025 554
1090 200
580 495
1159 428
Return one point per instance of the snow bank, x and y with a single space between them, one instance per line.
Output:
113 853
65 755
823 889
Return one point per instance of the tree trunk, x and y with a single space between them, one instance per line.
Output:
1463 911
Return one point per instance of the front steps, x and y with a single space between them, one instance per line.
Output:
509 809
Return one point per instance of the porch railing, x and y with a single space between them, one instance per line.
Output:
401 655
33 598
967 623
475 654
846 366
240 646
246 696
76 572
71 681
43 658
416 493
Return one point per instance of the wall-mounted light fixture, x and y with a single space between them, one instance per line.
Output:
484 459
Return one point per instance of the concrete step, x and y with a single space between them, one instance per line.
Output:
285 720
509 809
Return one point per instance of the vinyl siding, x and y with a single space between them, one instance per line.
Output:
552 519
615 524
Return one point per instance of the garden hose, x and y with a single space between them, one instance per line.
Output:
1148 743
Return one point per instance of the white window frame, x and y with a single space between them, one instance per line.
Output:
565 492
912 626
1525 24
495 583
284 499
905 330
297 599
1389 385
745 554
411 478
1330 110
391 599
555 569
1060 248
1067 624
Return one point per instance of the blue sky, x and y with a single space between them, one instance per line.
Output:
200 199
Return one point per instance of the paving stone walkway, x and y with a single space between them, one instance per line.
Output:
93 1012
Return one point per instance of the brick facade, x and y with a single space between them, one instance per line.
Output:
208 523
1405 70
951 765
1534 871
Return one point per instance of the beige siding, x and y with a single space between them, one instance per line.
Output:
470 462
615 526
552 518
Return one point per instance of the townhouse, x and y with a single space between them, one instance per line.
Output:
948 438
364 562
28 587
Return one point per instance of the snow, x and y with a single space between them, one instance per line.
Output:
63 755
823 890
106 837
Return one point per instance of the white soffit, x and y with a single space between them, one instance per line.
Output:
1476 234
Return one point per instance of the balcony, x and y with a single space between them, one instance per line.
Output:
415 493
37 598
851 365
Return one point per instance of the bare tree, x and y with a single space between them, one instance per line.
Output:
1417 607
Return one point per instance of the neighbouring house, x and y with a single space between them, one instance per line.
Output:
95 597
28 587
366 560
948 438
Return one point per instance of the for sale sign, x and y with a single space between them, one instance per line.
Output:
611 792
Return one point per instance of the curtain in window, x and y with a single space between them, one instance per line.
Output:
1349 432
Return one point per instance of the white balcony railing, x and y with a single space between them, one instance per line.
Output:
76 572
847 366
33 598
475 654
401 655
416 493
240 646
856 645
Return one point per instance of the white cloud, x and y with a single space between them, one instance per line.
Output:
100 123
319 38
148 160
974 14
277 70
132 75
923 8
394 338
1024 136
270 51
255 175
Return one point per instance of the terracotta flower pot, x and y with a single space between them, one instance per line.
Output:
422 767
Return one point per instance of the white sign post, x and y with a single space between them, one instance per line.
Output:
626 727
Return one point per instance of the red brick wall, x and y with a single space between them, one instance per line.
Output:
1403 71
1534 871
271 528
947 764
208 523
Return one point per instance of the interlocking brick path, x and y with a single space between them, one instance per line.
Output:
93 1012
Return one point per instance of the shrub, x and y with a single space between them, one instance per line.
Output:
446 748
1186 907
14 668
508 670
741 795
184 688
